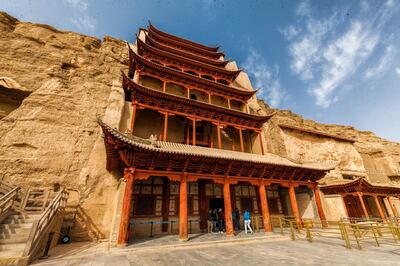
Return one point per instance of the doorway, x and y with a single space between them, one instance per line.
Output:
216 203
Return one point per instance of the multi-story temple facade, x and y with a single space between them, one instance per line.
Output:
189 142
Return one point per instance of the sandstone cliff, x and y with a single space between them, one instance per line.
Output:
53 85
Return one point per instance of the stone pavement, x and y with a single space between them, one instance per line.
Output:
240 251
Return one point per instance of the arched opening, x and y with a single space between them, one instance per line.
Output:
237 105
198 95
11 96
151 82
223 81
219 100
175 89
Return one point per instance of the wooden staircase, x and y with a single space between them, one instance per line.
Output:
26 223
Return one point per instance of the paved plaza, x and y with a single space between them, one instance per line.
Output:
243 250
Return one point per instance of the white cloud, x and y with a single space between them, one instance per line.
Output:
383 64
81 19
304 9
341 59
84 23
78 4
290 32
328 51
306 50
264 78
397 70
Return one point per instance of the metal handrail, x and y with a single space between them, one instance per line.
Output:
7 201
44 221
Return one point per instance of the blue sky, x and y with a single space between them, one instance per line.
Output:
332 61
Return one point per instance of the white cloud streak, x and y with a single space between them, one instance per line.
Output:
265 78
383 64
81 18
397 70
329 51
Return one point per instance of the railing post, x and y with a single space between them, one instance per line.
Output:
25 199
375 237
293 236
31 238
308 233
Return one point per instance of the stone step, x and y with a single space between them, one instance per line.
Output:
12 246
24 216
14 236
10 231
12 220
11 254
15 240
14 226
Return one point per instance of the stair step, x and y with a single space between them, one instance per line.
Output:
18 220
14 226
11 231
14 235
10 254
12 247
15 239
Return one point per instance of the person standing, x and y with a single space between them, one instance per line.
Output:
220 220
234 220
247 221
214 220
209 221
237 215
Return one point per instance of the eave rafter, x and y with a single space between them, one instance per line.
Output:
182 40
151 52
360 185
122 153
183 46
184 106
145 66
171 49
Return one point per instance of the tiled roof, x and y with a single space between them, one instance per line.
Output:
184 149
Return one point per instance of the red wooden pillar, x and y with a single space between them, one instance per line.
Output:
164 87
293 203
209 98
241 139
392 206
165 126
318 202
360 197
345 205
228 208
126 207
264 208
219 136
134 107
194 132
183 214
378 205
261 142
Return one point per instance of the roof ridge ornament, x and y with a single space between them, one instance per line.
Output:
153 141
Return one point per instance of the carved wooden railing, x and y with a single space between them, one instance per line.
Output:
7 202
44 222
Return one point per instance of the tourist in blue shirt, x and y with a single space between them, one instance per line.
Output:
247 221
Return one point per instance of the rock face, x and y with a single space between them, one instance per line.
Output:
53 86
64 80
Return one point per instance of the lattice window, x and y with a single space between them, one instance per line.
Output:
145 205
